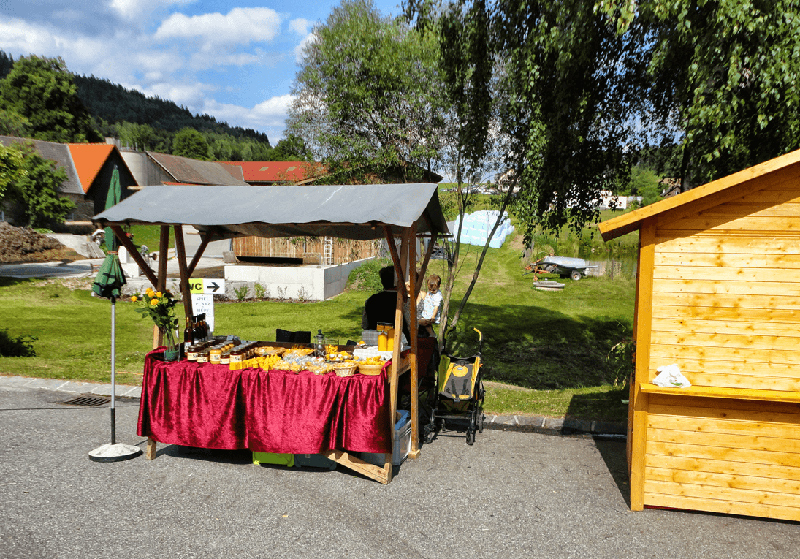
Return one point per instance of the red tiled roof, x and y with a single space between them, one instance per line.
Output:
88 160
276 171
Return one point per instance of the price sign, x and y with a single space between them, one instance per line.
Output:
204 303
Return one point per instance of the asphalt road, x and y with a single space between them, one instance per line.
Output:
510 495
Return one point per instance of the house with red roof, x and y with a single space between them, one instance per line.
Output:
264 173
88 168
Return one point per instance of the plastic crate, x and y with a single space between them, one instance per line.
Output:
314 461
273 458
401 442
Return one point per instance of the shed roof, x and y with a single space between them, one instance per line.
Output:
345 211
276 171
88 160
632 221
192 171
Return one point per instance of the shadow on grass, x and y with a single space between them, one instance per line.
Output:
540 348
600 406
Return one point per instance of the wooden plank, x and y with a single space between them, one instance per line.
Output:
180 253
676 404
692 338
718 244
756 208
358 465
734 481
733 260
412 278
723 393
763 288
728 370
765 471
755 275
719 378
726 314
725 507
691 326
726 223
133 253
723 493
150 451
768 429
665 351
716 439
744 456
642 365
724 300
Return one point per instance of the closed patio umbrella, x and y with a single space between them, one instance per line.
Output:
108 284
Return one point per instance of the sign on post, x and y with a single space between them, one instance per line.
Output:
211 286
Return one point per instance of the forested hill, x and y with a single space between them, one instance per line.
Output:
113 103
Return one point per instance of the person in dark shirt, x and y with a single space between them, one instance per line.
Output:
380 307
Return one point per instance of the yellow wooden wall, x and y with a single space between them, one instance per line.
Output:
726 289
728 456
719 295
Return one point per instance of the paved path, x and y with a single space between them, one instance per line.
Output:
511 495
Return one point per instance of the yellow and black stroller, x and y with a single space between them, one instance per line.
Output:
460 396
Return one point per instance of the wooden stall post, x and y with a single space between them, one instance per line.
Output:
412 327
642 370
163 248
180 251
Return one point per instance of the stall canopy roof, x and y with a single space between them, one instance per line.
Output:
346 211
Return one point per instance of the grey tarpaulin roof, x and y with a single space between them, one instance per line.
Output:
346 211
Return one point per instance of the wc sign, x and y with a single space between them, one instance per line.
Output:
203 291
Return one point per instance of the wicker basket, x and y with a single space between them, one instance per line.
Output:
371 370
345 370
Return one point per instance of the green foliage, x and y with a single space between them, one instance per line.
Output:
159 307
291 148
31 183
190 143
366 277
260 291
367 94
42 91
14 124
241 292
16 346
723 79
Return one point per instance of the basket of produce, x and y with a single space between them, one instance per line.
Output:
345 369
370 370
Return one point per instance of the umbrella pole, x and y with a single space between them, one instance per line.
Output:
113 368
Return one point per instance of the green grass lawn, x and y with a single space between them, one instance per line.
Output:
545 352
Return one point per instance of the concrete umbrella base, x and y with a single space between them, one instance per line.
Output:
114 452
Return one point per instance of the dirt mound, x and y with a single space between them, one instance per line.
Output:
19 244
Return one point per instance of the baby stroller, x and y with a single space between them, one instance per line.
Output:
460 395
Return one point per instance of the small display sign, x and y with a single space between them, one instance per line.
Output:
211 286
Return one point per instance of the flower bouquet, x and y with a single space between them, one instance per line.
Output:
160 307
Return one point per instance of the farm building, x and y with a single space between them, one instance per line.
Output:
718 295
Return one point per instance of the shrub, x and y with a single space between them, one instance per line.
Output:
366 278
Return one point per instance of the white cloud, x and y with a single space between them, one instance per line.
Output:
239 26
300 26
299 50
130 9
269 115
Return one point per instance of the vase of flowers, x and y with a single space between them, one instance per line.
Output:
160 307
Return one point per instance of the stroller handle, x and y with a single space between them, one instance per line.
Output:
480 340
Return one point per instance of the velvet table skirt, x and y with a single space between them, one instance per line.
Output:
209 406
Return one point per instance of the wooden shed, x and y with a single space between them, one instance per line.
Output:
718 294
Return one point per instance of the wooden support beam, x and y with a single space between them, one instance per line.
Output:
180 251
644 314
201 249
128 244
412 327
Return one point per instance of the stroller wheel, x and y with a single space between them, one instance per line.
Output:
470 436
480 421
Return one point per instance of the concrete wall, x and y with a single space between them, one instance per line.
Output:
311 283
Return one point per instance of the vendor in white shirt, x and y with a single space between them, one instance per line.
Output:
431 305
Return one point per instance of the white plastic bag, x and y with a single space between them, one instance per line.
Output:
670 375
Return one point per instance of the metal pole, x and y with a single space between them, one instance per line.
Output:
113 368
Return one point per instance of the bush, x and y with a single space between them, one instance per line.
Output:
366 276
21 346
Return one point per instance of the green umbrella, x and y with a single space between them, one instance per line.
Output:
108 283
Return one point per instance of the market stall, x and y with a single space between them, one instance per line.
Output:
222 405
715 397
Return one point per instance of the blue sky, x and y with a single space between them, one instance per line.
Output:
232 59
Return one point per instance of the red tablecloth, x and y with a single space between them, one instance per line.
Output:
210 406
